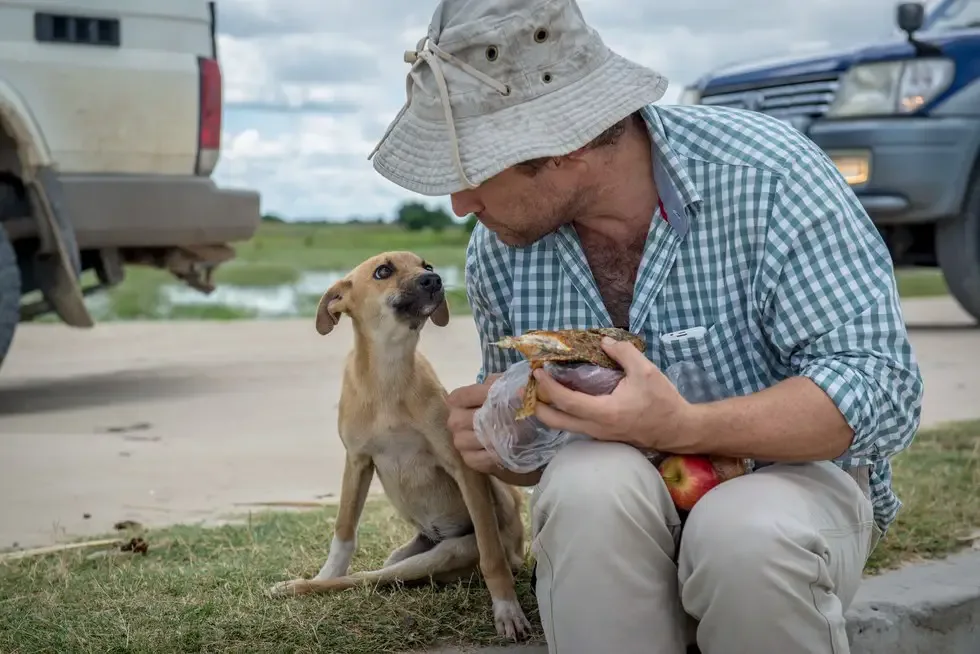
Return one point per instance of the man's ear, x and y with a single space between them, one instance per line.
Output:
332 304
441 315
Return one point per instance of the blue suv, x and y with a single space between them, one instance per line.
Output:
901 121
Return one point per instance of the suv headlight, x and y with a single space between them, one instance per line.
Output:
891 87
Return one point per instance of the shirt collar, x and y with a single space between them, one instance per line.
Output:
676 188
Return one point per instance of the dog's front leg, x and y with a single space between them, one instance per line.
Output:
508 616
358 472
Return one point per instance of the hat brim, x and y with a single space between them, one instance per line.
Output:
418 154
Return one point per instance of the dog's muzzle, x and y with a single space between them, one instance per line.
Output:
419 298
429 282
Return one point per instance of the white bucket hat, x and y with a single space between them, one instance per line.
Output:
498 82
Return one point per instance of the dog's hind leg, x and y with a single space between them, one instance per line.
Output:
419 544
453 555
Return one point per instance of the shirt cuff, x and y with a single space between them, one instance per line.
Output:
850 390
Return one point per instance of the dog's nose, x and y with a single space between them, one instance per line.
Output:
430 281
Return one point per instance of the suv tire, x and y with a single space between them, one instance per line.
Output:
958 251
9 294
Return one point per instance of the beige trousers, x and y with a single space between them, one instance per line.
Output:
768 562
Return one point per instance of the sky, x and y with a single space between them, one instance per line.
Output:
311 85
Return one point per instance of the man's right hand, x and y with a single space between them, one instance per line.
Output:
463 404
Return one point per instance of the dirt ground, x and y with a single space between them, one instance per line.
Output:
189 421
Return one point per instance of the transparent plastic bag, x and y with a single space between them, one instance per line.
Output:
526 445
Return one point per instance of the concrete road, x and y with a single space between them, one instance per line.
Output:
166 422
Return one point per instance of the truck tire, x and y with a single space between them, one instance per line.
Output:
958 252
9 294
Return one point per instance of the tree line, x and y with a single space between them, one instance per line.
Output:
413 216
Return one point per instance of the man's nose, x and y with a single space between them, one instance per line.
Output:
465 203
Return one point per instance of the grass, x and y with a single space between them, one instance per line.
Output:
333 247
937 480
921 282
202 589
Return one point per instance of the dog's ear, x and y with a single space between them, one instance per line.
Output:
441 315
332 304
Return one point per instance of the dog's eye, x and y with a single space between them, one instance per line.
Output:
382 272
427 266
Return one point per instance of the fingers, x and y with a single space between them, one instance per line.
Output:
556 419
460 419
473 395
574 403
626 355
465 440
468 397
473 453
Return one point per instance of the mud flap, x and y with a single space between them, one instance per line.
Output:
57 266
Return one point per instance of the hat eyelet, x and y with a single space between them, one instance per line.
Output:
540 35
492 53
506 90
546 78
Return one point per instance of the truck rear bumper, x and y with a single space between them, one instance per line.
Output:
918 168
156 211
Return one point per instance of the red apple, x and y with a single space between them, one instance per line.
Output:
688 478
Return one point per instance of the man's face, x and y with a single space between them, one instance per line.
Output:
521 207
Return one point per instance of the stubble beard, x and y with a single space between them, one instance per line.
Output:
541 222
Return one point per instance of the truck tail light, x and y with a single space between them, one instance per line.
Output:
209 119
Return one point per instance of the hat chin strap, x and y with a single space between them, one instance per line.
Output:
430 53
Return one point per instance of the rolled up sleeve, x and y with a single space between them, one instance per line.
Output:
831 310
488 289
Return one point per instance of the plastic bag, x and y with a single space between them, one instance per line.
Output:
526 445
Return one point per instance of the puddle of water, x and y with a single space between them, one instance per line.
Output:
277 301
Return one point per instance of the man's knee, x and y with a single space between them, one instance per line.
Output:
605 540
757 535
600 482
728 543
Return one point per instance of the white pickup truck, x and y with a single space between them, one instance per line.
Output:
110 128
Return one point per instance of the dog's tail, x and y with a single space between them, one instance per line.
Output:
445 561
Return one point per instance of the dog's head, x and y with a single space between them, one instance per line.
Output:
397 288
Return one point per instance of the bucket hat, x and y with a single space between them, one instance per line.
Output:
498 82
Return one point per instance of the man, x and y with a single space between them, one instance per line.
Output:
725 239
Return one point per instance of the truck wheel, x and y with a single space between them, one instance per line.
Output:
9 294
958 251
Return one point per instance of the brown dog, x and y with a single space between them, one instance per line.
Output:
393 421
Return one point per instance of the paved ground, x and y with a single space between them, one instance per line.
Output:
165 422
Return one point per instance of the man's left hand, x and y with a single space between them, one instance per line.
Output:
645 409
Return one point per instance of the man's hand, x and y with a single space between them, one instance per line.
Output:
463 404
645 410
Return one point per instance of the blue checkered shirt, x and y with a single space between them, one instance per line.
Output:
764 245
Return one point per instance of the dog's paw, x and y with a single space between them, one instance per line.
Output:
510 620
288 588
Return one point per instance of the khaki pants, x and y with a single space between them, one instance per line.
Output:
769 562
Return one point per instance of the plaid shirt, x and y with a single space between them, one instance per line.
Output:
764 245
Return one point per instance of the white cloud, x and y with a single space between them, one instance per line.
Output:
311 86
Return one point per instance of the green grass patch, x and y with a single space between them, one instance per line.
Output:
338 246
256 274
919 282
937 480
203 589
459 305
